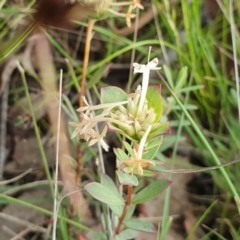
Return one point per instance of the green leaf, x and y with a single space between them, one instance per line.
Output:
113 95
116 209
96 76
130 211
121 155
169 140
152 148
128 169
176 122
128 147
127 179
156 168
168 73
161 129
104 194
151 191
191 88
96 235
155 100
234 96
109 183
126 234
186 106
140 225
8 47
182 77
146 173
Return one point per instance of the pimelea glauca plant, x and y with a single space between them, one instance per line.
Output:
135 116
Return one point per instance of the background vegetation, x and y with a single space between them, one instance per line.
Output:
197 45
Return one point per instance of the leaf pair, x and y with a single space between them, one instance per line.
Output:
107 192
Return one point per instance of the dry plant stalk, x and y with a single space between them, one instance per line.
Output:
48 76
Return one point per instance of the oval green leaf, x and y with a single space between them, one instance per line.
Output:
155 100
96 235
140 225
126 234
151 191
108 182
113 95
104 194
127 179
121 155
181 79
152 148
116 209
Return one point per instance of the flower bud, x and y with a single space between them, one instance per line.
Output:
132 108
128 129
151 116
123 110
140 134
137 126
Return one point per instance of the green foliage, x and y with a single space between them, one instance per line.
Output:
104 194
126 234
108 182
140 225
155 100
127 179
97 235
112 95
151 191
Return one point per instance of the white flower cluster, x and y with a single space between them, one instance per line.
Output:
86 127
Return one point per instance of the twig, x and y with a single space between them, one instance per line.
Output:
29 185
15 178
143 20
130 77
10 232
57 160
19 235
4 88
86 58
22 222
124 212
236 71
3 121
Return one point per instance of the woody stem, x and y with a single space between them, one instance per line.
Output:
124 212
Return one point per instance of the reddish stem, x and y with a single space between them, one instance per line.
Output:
86 58
127 204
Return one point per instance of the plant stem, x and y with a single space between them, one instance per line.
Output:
124 212
82 91
129 196
86 59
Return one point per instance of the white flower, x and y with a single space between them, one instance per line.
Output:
141 68
145 69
